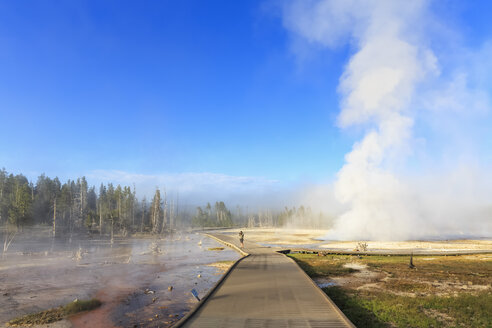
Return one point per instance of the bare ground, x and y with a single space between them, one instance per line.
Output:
314 238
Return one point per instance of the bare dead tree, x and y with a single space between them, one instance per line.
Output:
100 216
164 215
171 216
8 238
251 221
156 210
112 228
119 209
143 215
54 218
133 206
177 208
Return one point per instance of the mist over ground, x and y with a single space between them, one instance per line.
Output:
195 189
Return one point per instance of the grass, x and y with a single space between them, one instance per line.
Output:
441 268
56 314
443 291
81 305
216 249
223 266
226 262
379 309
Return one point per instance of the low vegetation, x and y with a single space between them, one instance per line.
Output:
223 266
216 249
441 291
56 314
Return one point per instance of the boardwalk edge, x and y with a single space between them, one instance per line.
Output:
197 307
336 308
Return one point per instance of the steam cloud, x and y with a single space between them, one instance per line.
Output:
382 90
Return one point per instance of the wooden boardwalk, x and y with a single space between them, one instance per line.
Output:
265 289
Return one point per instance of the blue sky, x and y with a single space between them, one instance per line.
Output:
173 87
161 86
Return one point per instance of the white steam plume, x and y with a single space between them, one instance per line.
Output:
378 89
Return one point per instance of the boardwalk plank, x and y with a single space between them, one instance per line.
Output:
266 289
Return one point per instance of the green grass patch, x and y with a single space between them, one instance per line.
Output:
56 314
354 308
379 309
216 249
226 262
81 305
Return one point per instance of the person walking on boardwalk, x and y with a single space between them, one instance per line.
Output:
241 238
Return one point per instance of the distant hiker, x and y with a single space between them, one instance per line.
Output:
241 238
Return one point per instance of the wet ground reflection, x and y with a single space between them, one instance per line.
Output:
132 277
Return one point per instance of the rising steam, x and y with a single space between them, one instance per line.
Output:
380 92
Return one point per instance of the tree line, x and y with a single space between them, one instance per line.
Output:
295 217
218 216
75 206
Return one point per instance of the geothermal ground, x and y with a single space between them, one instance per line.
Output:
132 277
384 291
311 238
